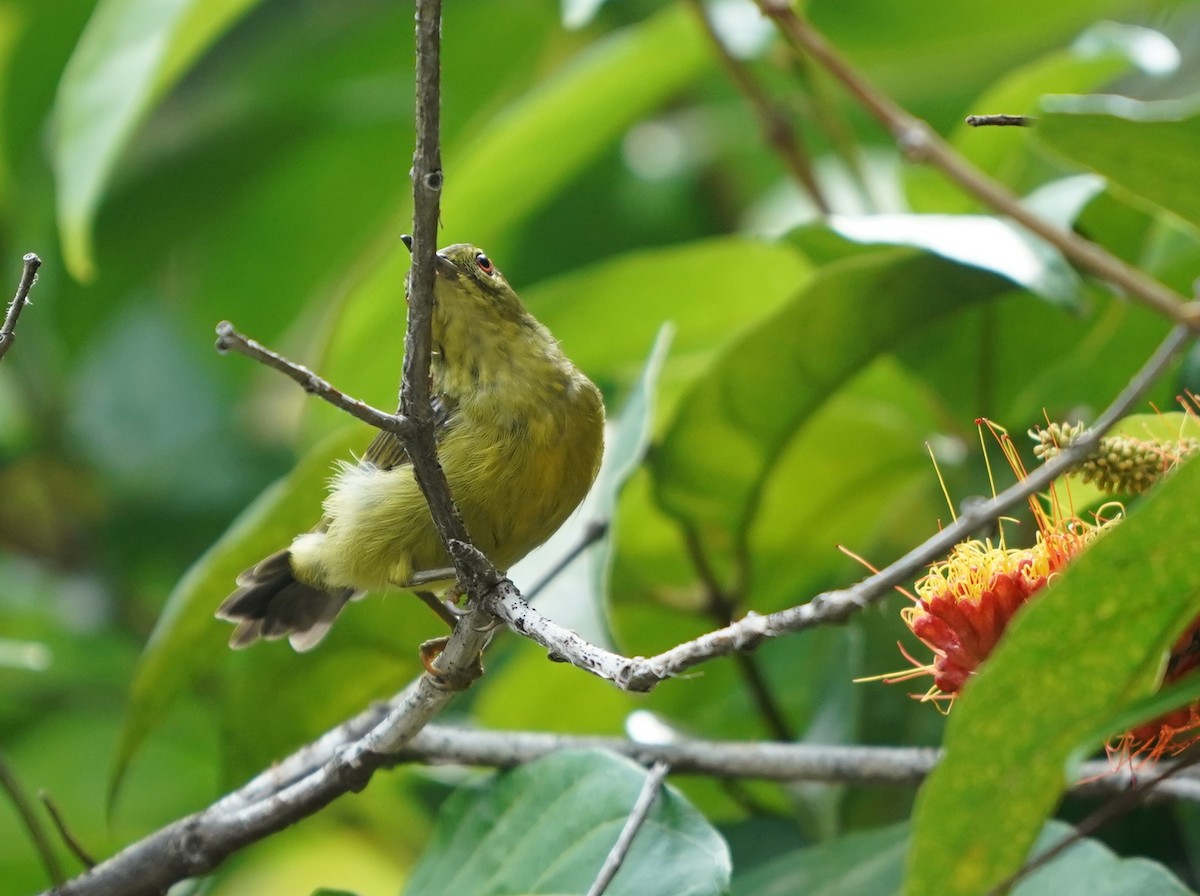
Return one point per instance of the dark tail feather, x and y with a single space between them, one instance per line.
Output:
269 603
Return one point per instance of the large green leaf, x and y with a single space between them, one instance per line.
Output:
131 52
885 37
866 863
1147 149
1077 656
546 828
1104 51
732 425
187 641
870 863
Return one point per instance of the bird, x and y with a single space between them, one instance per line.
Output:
520 435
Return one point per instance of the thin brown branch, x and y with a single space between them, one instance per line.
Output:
1120 804
596 530
230 340
427 181
28 277
1001 121
637 816
919 143
64 833
777 131
16 795
723 609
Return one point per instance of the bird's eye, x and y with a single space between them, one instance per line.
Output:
484 263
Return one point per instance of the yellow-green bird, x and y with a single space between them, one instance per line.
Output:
520 433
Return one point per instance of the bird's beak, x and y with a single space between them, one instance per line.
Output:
442 265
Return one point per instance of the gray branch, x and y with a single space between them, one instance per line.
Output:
28 277
637 815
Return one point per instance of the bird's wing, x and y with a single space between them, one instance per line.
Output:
387 451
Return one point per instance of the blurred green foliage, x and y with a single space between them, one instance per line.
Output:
178 163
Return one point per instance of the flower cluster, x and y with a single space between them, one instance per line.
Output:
963 605
1121 464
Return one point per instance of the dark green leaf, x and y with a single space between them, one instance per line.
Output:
1082 653
187 641
1147 149
548 826
130 54
871 863
868 863
730 428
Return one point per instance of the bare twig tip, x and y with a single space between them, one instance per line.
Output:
1001 121
225 332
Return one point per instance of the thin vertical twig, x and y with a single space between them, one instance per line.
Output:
64 832
427 181
20 300
10 785
722 608
776 129
637 816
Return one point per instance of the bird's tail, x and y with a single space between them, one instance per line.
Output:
270 603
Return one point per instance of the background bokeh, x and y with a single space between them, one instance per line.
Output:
176 164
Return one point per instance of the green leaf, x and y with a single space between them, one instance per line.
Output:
981 241
131 52
867 863
883 38
1080 654
548 826
730 428
187 642
1146 149
870 863
1104 51
1089 868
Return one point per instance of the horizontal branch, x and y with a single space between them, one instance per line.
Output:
1001 121
344 759
765 760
